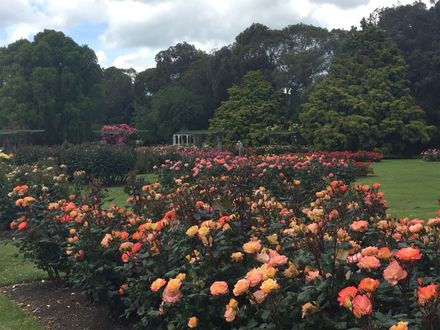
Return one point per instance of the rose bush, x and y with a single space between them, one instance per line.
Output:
228 249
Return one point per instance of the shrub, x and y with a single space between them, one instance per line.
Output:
431 155
110 164
116 134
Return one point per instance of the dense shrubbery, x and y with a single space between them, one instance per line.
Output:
432 155
109 163
224 253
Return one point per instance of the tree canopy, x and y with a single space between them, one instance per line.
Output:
53 84
364 102
252 107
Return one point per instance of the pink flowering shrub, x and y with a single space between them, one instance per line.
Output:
116 134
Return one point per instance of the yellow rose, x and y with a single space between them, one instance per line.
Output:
192 231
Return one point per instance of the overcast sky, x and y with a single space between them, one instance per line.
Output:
128 33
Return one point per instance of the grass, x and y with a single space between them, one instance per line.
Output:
411 186
117 194
13 318
14 269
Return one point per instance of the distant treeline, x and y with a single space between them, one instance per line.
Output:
381 80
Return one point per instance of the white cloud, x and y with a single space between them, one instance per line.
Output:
139 59
138 29
102 58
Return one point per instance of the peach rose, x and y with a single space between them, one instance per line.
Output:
218 288
370 251
369 262
368 285
359 226
254 276
408 254
106 240
259 296
172 294
312 275
157 284
427 293
237 256
252 247
362 306
346 296
275 259
394 273
231 310
241 287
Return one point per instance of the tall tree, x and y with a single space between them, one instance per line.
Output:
51 83
365 101
416 31
253 107
118 95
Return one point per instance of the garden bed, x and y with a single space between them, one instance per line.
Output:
57 306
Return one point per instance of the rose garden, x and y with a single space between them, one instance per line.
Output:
287 181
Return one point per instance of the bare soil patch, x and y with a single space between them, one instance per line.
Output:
58 307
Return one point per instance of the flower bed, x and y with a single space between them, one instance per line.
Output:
227 248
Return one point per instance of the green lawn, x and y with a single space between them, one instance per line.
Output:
118 196
14 269
411 186
13 318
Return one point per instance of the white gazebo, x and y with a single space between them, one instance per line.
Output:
183 139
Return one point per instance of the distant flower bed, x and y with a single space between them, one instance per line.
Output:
431 155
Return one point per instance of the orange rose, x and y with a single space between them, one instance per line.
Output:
384 253
362 306
408 254
252 247
218 288
157 284
368 285
427 293
369 262
241 287
359 226
394 273
346 296
400 326
193 322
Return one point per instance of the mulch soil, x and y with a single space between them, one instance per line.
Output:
58 307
